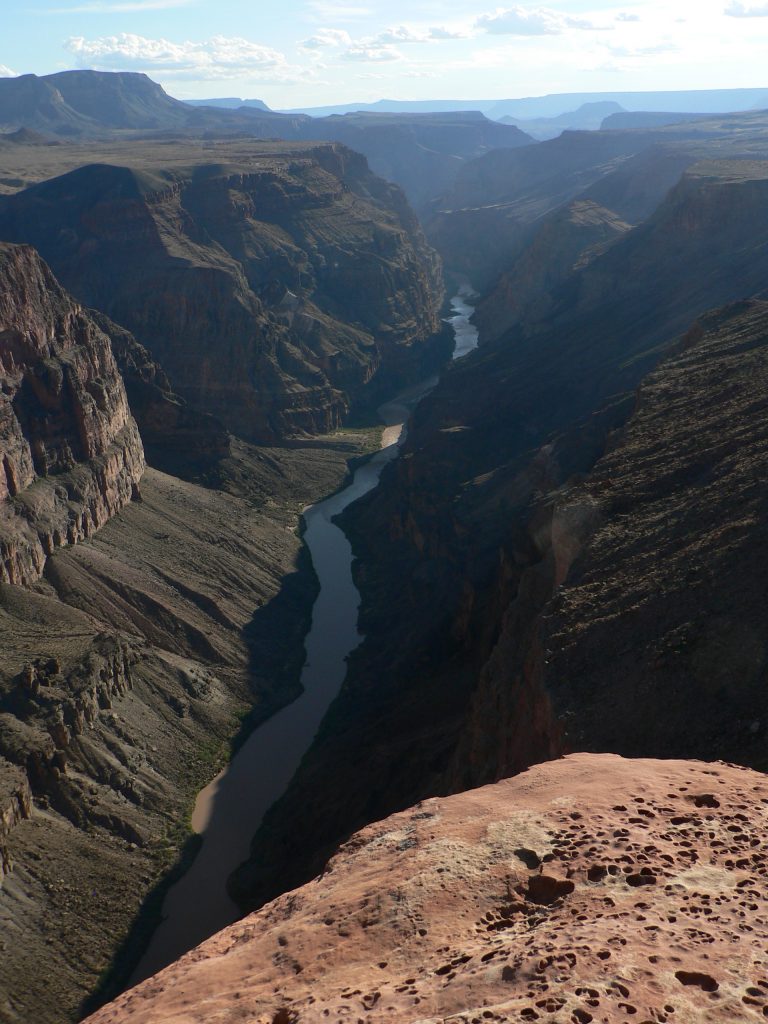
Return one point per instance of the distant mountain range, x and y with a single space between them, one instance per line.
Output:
719 101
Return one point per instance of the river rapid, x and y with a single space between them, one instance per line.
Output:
229 810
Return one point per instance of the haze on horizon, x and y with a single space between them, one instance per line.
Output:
313 52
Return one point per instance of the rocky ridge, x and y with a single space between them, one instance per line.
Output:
98 104
72 456
423 153
590 889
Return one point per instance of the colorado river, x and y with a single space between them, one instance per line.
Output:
228 811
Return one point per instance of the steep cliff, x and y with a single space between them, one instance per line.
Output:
462 551
588 889
71 453
564 240
276 284
484 221
177 438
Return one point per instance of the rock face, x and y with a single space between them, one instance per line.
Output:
481 226
564 241
277 285
668 583
591 889
70 449
124 674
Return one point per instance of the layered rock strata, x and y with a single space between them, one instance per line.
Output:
125 673
590 889
277 285
70 449
487 219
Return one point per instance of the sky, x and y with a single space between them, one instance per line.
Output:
293 53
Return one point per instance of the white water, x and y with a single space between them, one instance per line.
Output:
229 810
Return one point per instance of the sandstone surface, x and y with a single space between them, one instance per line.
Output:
590 889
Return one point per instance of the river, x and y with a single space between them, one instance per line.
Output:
229 810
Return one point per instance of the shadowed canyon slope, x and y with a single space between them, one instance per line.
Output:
277 284
482 224
590 889
423 153
469 513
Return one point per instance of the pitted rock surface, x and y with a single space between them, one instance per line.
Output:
589 889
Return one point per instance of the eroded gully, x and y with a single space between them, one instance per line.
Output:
229 810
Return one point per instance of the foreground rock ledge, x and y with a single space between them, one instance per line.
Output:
587 889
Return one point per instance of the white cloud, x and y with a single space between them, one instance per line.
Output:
372 54
326 37
6 72
627 17
220 57
737 10
529 21
402 34
521 21
407 34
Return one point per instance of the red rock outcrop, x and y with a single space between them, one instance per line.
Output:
70 450
590 889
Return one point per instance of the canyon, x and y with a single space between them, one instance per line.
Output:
565 559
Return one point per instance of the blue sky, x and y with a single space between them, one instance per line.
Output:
311 52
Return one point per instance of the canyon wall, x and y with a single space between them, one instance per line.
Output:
278 285
71 452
